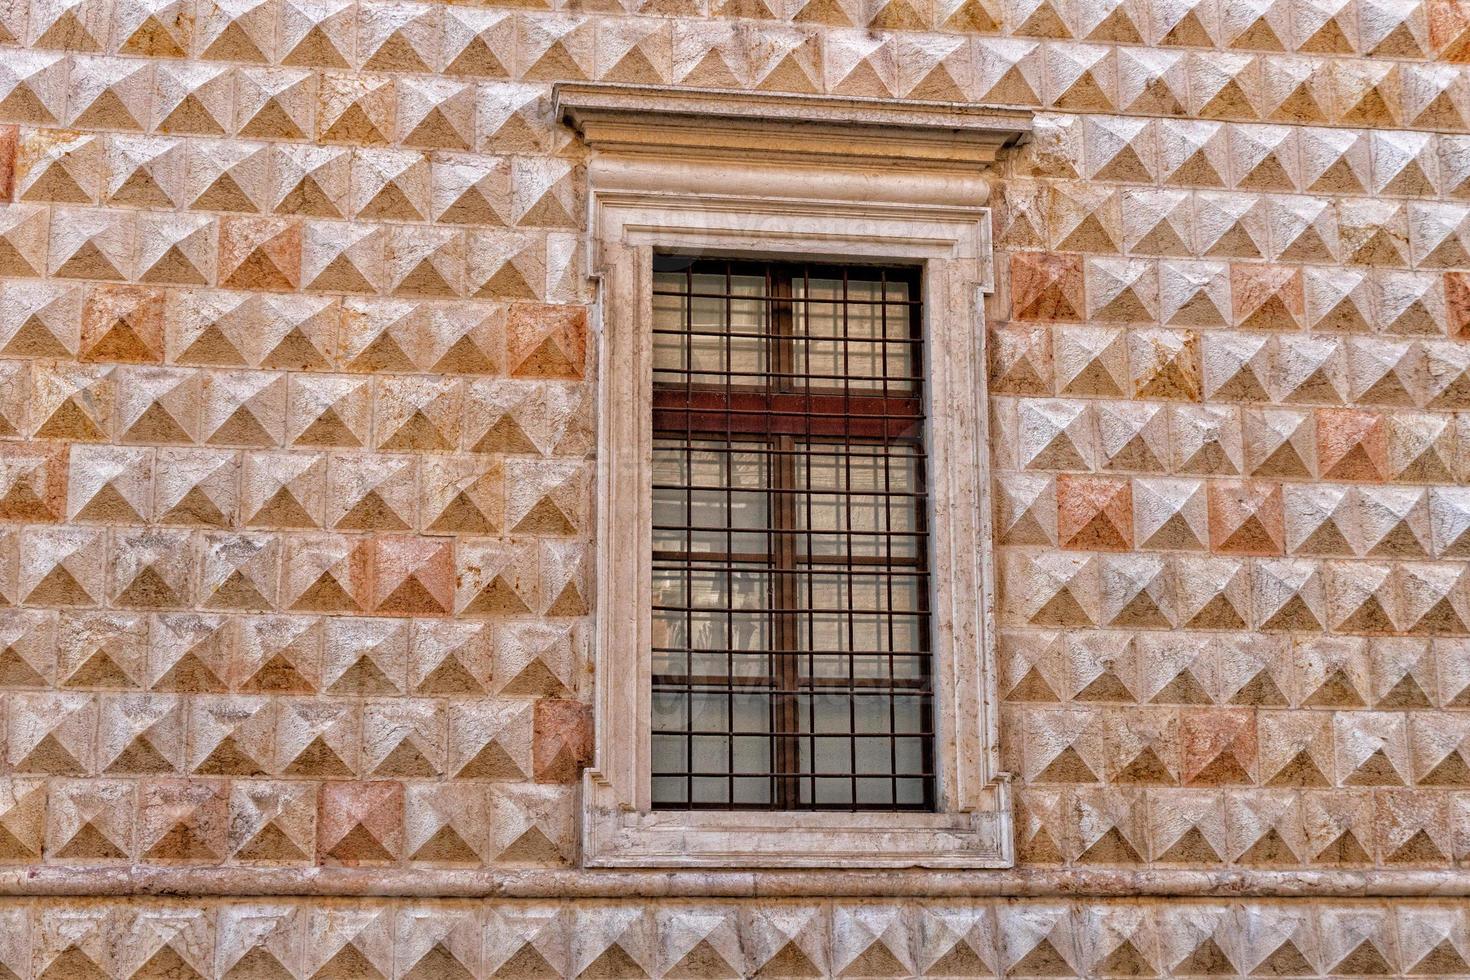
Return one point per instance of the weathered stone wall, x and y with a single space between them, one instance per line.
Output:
519 940
1226 401
296 445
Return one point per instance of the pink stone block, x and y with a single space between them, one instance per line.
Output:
360 823
562 743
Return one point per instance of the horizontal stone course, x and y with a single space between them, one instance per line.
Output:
721 938
297 383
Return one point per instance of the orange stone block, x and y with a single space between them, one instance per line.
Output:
1449 22
33 482
1046 286
1457 302
561 746
1267 297
1094 513
1352 445
413 576
123 324
260 253
1246 518
1218 746
546 341
360 823
9 136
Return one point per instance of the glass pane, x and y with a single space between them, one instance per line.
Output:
670 710
710 497
669 754
710 790
854 334
826 713
670 313
668 790
709 712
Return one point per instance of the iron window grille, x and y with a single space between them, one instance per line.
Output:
792 666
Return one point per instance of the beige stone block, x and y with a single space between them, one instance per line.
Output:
24 238
326 573
404 739
450 657
168 938
310 180
260 936
62 166
496 578
92 820
231 736
272 822
63 566
159 405
1037 939
415 414
340 257
532 825
1124 938
183 820
29 660
51 734
194 99
277 655
74 940
352 939
23 819
1187 827
355 108
437 936
228 175
34 84
368 492
1339 826
189 653
446 824
141 734
239 571
319 739
329 411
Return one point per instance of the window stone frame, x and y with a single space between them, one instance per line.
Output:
792 177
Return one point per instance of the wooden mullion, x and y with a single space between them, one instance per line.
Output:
752 411
787 587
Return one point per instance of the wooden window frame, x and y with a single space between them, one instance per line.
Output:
725 175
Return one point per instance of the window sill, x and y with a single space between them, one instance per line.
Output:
619 837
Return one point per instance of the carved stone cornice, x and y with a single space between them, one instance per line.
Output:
935 152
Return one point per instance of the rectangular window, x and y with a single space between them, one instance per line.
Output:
791 635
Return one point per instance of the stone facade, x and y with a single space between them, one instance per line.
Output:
297 453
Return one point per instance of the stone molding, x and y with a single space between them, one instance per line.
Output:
83 881
787 147
712 174
824 131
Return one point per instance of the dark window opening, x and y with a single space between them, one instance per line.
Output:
791 634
